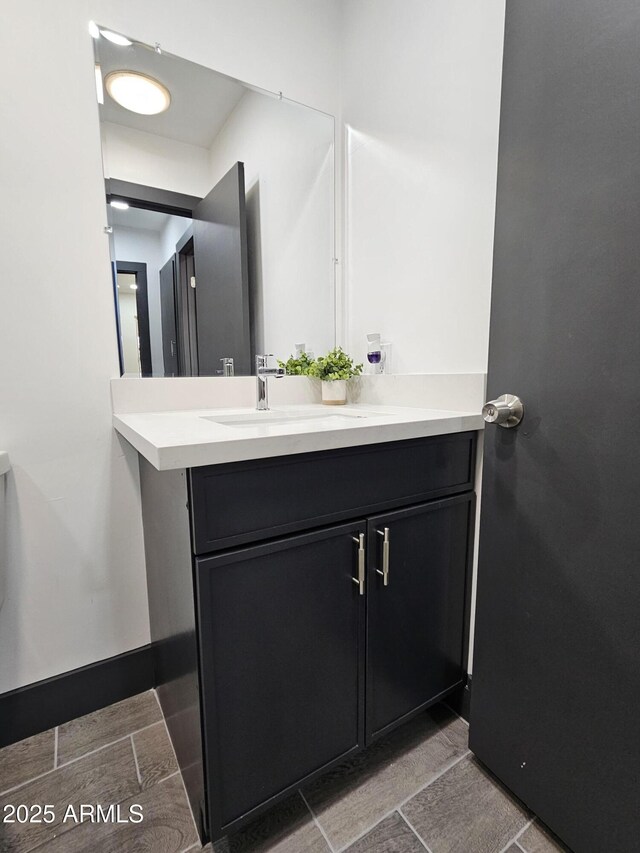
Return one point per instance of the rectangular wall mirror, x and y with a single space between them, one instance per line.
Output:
221 204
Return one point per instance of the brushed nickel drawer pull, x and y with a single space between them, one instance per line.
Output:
385 555
359 540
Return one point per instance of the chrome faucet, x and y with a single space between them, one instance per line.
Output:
266 366
227 366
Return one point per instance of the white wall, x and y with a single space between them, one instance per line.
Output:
76 588
155 161
171 233
421 97
289 180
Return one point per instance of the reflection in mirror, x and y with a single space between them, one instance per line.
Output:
129 334
221 204
149 237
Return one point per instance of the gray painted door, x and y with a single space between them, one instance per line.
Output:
556 677
222 283
168 318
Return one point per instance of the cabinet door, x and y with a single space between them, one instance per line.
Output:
415 624
282 665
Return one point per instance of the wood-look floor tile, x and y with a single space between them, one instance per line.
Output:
106 776
538 839
167 826
463 810
86 733
392 835
26 759
351 799
154 752
287 828
451 726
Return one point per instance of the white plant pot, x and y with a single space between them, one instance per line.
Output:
334 393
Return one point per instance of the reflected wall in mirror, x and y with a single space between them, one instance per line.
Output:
221 206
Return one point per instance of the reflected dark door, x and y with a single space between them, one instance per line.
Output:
222 284
556 676
168 318
186 306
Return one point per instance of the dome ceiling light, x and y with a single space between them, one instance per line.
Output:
138 92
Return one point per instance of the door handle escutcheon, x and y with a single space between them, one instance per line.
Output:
386 545
359 540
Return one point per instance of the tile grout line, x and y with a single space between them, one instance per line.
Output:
79 758
135 759
317 822
164 779
399 806
519 846
111 743
440 773
414 830
55 748
518 835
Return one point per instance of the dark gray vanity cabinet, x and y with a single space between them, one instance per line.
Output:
415 622
281 628
303 606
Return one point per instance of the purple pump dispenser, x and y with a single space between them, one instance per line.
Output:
374 352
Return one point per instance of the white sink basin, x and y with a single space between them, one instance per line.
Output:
269 418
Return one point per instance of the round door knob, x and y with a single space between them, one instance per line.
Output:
505 411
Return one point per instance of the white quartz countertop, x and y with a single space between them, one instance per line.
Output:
188 439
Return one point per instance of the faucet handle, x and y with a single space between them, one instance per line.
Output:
266 361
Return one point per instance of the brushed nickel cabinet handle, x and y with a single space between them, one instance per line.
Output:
386 544
359 540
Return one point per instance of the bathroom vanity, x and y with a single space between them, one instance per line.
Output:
302 602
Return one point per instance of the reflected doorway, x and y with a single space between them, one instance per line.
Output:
133 318
129 337
195 316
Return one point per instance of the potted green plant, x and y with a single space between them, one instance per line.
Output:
334 369
297 366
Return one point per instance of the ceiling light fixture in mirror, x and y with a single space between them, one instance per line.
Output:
137 92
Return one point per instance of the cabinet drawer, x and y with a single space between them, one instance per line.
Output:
248 501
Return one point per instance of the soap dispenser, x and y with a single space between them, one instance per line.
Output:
378 354
374 351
